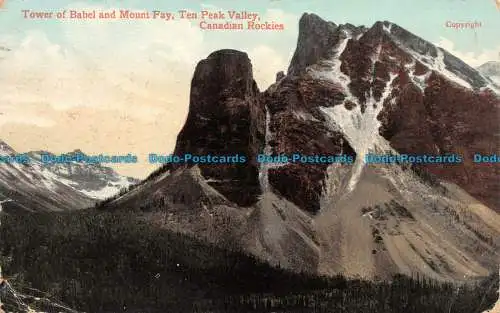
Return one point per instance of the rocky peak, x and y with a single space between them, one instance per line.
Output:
225 118
224 73
408 39
223 91
315 41
352 30
378 29
427 51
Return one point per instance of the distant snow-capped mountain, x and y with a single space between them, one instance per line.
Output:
36 186
94 180
491 70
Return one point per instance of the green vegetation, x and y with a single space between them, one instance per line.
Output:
101 262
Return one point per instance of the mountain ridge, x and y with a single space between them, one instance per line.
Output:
94 180
34 185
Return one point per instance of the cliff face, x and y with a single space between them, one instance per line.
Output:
297 126
225 118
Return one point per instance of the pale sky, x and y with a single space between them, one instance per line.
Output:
119 87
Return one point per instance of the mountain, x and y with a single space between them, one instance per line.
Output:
35 186
350 91
491 70
94 180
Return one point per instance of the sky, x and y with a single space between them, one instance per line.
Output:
122 86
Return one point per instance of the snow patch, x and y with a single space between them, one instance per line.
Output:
330 70
495 85
263 167
299 114
436 64
418 80
268 150
441 67
495 79
387 29
361 129
48 179
111 189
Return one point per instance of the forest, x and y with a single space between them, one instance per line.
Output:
98 261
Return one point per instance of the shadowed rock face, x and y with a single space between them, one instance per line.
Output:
225 118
